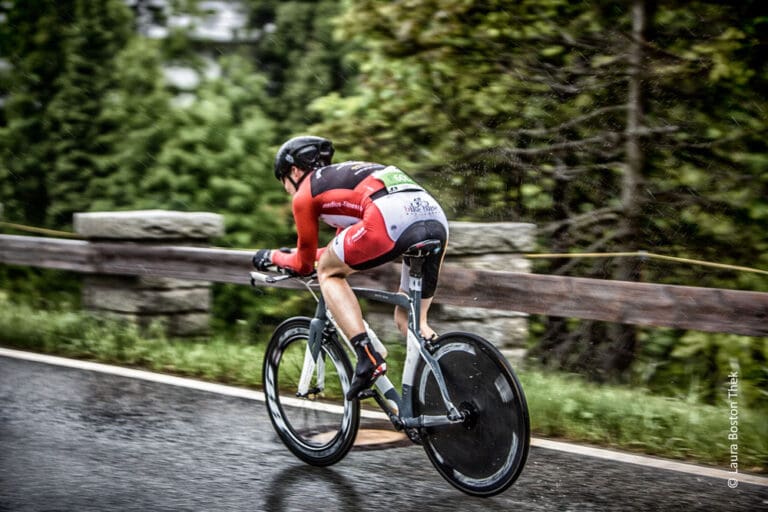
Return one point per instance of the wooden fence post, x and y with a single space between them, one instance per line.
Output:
182 306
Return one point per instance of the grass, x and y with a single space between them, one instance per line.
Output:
567 407
561 406
233 359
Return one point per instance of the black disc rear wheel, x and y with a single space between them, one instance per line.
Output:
484 454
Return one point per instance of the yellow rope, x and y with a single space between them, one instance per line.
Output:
41 231
645 254
638 254
582 255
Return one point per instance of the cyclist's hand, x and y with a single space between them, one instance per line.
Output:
262 259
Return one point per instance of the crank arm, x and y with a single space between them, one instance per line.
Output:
428 420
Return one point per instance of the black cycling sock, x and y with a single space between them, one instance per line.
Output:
370 365
357 340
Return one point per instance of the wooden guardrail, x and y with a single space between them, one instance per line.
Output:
685 307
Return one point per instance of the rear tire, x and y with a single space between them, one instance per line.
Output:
486 453
320 429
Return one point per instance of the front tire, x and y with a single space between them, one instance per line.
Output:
486 453
319 429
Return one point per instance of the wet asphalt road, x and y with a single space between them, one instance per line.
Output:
81 441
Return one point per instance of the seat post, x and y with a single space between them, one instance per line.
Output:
414 292
415 264
417 253
414 257
415 274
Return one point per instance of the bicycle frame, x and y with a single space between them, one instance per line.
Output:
398 407
479 445
401 414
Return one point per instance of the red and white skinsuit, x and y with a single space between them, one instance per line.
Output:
378 211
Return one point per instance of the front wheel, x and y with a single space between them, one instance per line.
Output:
319 427
484 454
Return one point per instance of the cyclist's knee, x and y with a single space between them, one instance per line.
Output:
330 266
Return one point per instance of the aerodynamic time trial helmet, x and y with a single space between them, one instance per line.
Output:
306 152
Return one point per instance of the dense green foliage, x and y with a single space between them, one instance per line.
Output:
300 58
79 127
594 120
31 40
611 125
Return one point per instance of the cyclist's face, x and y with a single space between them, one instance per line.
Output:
289 184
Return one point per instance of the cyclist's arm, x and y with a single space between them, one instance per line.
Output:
302 261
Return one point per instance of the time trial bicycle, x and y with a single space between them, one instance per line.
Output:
460 397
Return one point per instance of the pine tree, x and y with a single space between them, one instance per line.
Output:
31 39
139 110
80 131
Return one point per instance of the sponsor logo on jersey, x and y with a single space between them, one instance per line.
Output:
420 206
342 204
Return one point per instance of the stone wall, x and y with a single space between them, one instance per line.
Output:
182 306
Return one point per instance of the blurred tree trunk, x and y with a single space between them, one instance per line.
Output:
556 330
619 352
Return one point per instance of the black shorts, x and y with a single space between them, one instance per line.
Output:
418 232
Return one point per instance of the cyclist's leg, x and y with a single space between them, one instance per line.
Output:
401 318
375 240
361 246
431 273
332 274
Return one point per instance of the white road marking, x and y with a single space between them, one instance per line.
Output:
222 389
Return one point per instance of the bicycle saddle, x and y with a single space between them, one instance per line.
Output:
421 249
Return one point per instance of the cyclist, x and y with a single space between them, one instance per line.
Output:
379 211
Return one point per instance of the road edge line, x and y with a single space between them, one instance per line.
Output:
233 391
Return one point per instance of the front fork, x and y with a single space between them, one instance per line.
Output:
314 363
